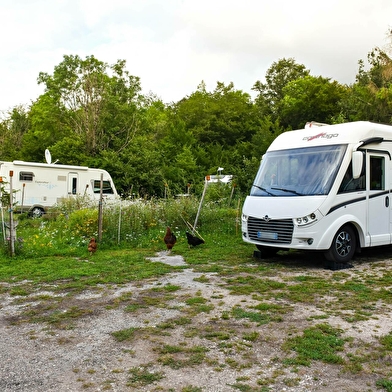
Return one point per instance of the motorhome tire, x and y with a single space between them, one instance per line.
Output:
36 212
343 245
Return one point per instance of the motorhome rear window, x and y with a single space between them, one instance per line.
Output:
26 176
106 187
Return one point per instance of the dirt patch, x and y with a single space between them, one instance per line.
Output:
185 332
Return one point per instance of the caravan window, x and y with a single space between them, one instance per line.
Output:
26 176
106 189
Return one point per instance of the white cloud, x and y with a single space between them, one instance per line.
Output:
173 45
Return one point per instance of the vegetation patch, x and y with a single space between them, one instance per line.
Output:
318 343
249 284
124 334
256 317
181 356
142 376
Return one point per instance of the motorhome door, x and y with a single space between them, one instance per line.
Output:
73 183
379 198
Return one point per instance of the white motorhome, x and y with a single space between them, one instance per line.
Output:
39 186
325 187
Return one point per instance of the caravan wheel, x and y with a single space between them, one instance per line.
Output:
343 245
36 212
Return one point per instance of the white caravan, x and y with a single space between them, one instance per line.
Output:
325 187
39 186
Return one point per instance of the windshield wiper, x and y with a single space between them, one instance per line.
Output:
288 190
263 189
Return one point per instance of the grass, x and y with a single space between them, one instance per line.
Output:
321 342
141 376
255 317
114 267
177 357
124 334
250 313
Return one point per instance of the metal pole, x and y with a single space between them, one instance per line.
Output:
119 224
201 202
23 191
12 234
2 209
100 212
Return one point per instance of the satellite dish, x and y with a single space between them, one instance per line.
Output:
48 157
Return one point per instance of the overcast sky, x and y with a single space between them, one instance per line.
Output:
172 45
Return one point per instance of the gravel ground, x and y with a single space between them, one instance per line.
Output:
86 357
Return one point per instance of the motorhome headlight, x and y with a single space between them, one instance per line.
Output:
244 218
306 220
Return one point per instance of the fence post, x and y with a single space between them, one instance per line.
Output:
100 210
201 202
12 229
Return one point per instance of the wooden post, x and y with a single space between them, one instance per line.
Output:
100 210
237 218
231 194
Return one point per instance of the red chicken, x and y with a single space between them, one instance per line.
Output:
169 239
92 246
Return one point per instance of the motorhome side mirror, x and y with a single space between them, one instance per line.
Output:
357 162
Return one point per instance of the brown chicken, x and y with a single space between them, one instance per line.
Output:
169 239
92 246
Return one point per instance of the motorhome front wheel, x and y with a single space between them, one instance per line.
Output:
343 245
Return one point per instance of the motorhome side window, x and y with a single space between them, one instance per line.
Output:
349 184
26 176
106 188
377 177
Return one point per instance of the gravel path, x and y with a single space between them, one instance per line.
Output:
86 357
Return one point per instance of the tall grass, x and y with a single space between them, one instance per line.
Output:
135 223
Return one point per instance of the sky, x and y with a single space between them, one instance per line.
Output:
174 45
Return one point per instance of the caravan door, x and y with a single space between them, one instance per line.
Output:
72 183
379 198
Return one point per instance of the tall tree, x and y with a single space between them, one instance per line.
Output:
270 93
12 131
225 116
98 101
310 99
370 96
46 129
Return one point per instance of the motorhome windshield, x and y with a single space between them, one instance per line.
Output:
298 171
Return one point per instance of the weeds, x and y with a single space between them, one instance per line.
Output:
177 357
317 343
141 376
124 334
